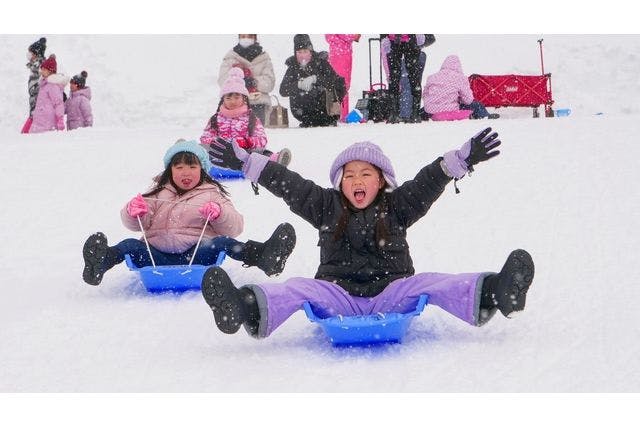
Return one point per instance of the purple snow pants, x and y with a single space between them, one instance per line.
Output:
458 294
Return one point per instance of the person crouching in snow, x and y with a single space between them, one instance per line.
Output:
236 121
173 215
49 112
78 105
365 265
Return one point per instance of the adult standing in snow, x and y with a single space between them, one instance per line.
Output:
308 81
35 57
257 67
49 112
341 59
365 264
405 47
448 91
78 105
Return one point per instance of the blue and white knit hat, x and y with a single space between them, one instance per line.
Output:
366 152
190 147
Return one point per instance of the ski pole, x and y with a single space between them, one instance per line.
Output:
144 235
193 256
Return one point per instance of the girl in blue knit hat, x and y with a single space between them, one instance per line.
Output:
365 265
184 204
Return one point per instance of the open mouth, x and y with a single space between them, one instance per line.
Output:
359 195
186 182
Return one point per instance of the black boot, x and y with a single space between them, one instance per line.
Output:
231 307
98 258
271 255
507 290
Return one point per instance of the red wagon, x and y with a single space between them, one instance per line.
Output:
514 90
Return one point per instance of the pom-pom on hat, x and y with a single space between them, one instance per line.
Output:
366 152
38 47
302 41
234 83
50 64
80 79
190 147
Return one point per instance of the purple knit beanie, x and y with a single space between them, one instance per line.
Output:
366 152
234 83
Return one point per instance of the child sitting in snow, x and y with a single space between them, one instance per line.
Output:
49 112
184 201
365 266
78 106
234 120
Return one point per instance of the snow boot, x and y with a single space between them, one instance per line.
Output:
232 307
271 255
507 290
283 156
98 258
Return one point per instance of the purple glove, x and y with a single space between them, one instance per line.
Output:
210 210
60 123
477 149
420 38
137 207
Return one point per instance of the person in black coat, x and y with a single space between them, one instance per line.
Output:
309 79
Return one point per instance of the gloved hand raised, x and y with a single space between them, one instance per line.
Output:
227 154
210 210
307 83
137 207
479 148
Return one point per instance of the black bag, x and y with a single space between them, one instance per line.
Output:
375 103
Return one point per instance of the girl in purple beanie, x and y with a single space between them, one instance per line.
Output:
365 265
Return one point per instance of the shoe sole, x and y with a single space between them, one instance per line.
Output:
284 237
94 253
224 299
284 157
518 272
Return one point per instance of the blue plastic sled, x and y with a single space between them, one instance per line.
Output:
172 278
368 329
224 173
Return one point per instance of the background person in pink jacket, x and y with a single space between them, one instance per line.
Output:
184 201
78 105
448 91
49 112
341 59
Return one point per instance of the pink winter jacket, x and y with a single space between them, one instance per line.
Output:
446 89
340 54
236 129
175 227
78 109
49 104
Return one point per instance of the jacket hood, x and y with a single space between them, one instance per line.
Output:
58 79
85 91
452 62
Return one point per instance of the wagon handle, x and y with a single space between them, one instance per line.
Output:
541 58
144 235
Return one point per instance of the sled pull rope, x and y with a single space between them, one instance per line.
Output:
193 256
144 235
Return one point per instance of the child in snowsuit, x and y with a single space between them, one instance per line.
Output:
235 120
259 77
49 112
365 265
340 58
308 81
78 105
35 57
449 91
184 201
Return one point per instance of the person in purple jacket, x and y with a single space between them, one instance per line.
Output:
78 105
365 265
49 111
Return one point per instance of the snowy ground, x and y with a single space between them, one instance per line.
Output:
562 189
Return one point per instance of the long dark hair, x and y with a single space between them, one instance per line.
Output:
189 159
213 121
382 233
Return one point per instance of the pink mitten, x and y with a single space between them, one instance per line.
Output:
210 210
60 123
137 207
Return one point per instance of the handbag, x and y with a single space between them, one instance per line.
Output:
334 107
276 116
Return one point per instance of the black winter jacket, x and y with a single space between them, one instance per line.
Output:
355 261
